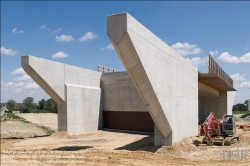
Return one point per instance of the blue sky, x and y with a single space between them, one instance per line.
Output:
75 33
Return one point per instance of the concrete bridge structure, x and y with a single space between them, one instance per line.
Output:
160 91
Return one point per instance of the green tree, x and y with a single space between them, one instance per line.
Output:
28 103
51 105
242 107
10 103
16 108
22 108
236 108
42 104
246 102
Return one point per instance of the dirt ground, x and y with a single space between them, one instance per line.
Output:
43 119
16 129
114 148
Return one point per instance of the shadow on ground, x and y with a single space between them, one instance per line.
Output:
72 148
144 144
196 143
244 115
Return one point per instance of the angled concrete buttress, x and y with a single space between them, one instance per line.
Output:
76 91
166 82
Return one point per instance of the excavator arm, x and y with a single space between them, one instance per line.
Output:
210 128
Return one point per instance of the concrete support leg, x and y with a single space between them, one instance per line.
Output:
160 140
166 82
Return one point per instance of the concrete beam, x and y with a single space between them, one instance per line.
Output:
166 82
47 74
206 91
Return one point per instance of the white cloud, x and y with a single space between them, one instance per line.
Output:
43 26
32 86
18 71
60 54
198 61
24 77
186 48
56 31
13 84
212 53
7 51
20 90
10 83
227 57
110 46
238 77
16 31
245 84
64 38
88 36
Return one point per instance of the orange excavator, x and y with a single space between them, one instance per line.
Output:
219 133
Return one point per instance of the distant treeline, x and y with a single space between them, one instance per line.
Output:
28 106
241 107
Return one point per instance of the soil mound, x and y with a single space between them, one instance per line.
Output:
186 145
60 135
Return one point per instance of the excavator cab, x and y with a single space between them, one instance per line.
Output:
228 125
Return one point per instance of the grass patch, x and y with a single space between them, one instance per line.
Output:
10 116
241 112
47 130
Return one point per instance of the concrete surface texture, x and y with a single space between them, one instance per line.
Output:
76 91
219 105
166 82
249 105
206 91
119 93
2 112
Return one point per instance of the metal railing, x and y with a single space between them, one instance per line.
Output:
213 67
105 69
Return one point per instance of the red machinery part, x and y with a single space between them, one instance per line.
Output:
244 126
211 127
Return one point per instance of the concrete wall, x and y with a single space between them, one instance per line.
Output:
219 105
82 107
166 82
249 105
120 94
2 112
76 91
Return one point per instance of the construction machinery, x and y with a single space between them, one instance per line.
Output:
216 132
